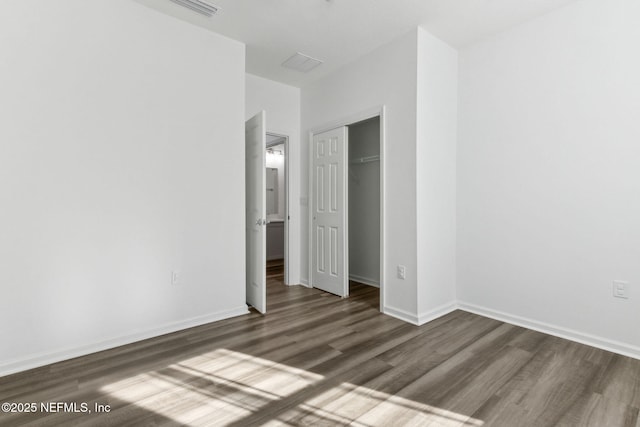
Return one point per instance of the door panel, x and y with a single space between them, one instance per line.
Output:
333 188
256 240
329 215
320 249
320 188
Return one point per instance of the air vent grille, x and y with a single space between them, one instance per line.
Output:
301 62
199 6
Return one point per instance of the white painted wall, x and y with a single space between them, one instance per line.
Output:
110 177
282 104
386 76
437 123
364 203
549 175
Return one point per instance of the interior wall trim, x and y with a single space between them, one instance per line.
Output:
400 314
47 358
422 318
617 347
437 312
364 280
557 331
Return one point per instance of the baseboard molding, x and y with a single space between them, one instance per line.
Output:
364 280
569 334
400 314
421 318
42 359
304 282
437 312
35 361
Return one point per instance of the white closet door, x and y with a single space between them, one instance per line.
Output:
256 223
329 212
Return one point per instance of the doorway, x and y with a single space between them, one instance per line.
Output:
260 145
364 202
277 207
346 198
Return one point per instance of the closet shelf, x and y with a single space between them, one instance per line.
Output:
367 159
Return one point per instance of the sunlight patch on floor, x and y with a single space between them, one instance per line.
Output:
225 384
225 387
354 405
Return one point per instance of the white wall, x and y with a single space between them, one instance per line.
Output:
386 76
437 123
364 203
549 175
282 105
113 119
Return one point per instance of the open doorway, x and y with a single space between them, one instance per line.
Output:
277 208
364 203
346 193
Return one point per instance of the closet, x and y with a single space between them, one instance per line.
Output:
364 202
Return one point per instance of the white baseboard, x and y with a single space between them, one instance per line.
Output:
42 359
437 312
364 280
34 361
304 282
421 318
400 314
558 331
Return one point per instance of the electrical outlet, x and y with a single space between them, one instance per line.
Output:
620 289
175 278
402 270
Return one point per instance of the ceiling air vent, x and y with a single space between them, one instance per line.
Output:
301 62
199 6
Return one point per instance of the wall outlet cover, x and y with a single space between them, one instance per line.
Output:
621 289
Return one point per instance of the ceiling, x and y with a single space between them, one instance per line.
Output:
339 31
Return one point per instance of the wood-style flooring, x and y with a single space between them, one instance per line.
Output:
275 269
319 360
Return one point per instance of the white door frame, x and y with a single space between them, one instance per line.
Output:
287 216
378 111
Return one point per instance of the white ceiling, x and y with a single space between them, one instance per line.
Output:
339 31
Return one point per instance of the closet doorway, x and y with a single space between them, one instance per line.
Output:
277 207
364 202
346 205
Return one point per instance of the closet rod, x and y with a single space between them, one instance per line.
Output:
366 159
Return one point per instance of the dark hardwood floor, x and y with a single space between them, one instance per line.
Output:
275 269
316 359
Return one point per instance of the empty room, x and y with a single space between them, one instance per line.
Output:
320 212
